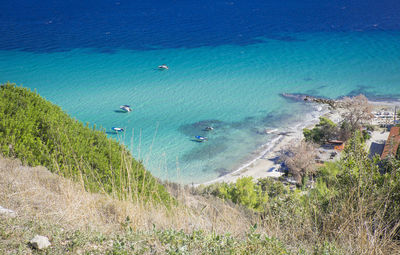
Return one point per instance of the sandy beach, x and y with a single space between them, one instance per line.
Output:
268 165
265 166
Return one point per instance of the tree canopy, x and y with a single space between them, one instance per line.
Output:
356 110
322 132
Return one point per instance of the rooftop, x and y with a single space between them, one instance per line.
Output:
392 143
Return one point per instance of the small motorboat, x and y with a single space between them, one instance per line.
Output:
117 129
126 108
163 67
201 138
208 128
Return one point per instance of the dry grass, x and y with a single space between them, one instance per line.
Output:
51 205
47 199
40 195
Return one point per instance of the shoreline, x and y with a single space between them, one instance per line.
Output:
266 163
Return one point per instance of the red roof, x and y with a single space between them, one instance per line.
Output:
392 143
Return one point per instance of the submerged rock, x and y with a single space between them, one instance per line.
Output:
40 242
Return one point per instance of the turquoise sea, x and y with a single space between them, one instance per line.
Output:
228 63
235 89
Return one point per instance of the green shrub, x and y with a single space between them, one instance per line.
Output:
40 133
322 132
244 191
366 135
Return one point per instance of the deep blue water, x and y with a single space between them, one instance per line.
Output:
45 26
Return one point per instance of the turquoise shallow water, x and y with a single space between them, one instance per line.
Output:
234 88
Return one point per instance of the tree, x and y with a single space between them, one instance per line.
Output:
322 132
345 131
356 110
300 160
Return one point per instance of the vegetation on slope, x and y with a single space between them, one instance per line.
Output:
40 133
80 222
353 203
126 241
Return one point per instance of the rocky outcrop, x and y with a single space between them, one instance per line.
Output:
40 242
306 98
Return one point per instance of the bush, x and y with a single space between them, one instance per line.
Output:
366 135
244 191
322 132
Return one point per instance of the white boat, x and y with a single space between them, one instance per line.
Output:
201 138
126 108
163 67
209 128
117 129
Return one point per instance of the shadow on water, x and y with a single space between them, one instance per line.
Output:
111 133
120 111
197 141
158 69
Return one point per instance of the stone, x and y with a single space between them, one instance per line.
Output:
7 212
40 242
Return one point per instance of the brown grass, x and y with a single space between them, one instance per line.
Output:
38 194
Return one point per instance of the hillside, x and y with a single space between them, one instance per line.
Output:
79 222
40 133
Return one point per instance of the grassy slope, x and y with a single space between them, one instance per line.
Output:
40 133
80 222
